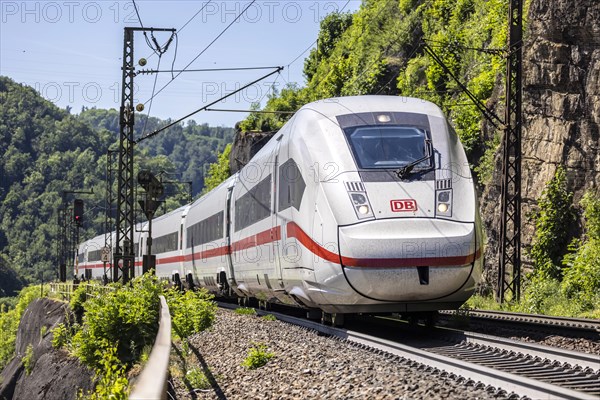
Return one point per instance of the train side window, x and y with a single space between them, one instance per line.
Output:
95 255
165 243
253 206
207 230
291 186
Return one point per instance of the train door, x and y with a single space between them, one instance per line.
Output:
229 261
277 222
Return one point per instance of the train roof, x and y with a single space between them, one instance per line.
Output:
330 108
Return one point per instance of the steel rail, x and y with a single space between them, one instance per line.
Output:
511 383
575 358
543 320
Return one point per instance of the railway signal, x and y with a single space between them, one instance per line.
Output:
78 212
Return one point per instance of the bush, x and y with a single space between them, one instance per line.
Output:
127 318
112 384
197 379
245 311
28 359
269 317
552 222
9 323
191 312
257 356
60 336
582 268
78 300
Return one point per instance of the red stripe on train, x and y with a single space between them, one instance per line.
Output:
294 231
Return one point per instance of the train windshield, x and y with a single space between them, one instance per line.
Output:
388 146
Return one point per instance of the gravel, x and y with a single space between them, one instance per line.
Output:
305 365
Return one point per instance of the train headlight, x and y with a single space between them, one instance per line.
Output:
443 199
383 118
359 199
364 210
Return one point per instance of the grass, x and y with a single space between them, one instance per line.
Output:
257 356
197 379
269 317
245 311
546 299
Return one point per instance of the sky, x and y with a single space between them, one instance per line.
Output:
71 51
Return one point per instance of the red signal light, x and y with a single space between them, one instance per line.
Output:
78 211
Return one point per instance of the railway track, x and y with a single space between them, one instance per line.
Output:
577 326
523 369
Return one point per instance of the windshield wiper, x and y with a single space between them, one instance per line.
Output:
405 170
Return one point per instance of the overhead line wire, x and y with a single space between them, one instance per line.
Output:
204 50
150 106
153 71
190 20
137 13
206 106
316 40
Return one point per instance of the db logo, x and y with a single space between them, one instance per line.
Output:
404 205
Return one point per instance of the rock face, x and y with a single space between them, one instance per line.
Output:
245 146
54 374
561 111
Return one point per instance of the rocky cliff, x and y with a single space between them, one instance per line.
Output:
52 374
561 111
245 146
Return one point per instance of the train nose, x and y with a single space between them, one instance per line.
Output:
408 259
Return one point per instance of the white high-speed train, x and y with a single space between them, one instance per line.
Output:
357 204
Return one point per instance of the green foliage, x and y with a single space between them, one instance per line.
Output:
258 355
332 28
552 223
28 361
10 282
290 99
7 303
581 278
197 379
245 311
113 384
60 336
218 171
127 316
191 312
45 150
9 323
486 166
78 300
269 317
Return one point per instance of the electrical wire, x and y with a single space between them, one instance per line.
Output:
204 50
174 55
150 106
190 20
137 13
313 43
153 71
249 111
149 135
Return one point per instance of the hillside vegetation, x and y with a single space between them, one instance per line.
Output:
45 150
